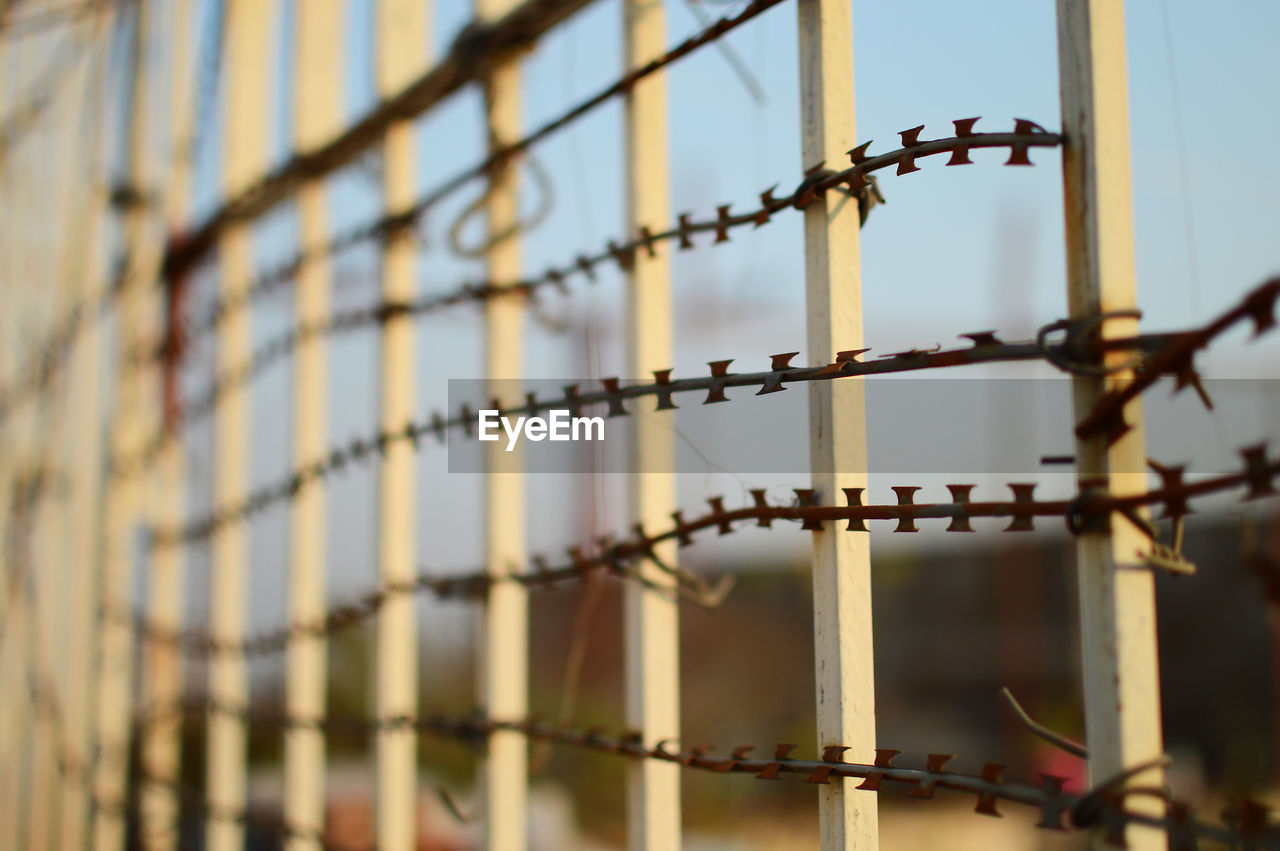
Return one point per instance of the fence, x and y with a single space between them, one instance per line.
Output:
67 734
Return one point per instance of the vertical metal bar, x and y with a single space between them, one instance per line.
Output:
248 55
316 116
162 663
48 554
85 479
10 698
40 585
1117 607
401 49
124 500
13 701
503 659
13 732
837 424
651 619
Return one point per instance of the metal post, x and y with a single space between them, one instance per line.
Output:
13 731
316 117
651 618
401 50
48 555
503 659
1117 607
84 500
248 64
124 501
162 663
43 553
837 425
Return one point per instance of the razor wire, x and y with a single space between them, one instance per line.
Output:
184 248
1090 510
1247 824
985 347
584 264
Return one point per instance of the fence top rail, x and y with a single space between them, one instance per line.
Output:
472 53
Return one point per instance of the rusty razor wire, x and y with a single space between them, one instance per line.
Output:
985 347
1090 510
184 252
78 770
465 65
818 180
622 254
1247 824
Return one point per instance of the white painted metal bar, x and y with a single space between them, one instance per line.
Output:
248 63
57 268
84 498
10 612
401 51
162 663
651 618
1117 606
845 674
316 117
44 550
13 730
74 138
503 658
128 429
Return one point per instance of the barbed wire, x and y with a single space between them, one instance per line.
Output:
52 353
1178 360
80 770
469 59
985 347
44 90
184 253
54 350
47 707
185 248
1089 510
43 19
1247 824
818 180
584 264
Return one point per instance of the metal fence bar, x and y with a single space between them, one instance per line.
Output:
503 646
47 549
318 29
115 669
46 636
248 50
44 552
651 617
414 93
837 423
161 752
1117 606
86 461
18 720
12 705
401 51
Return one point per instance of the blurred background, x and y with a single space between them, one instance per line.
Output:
952 251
